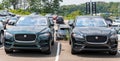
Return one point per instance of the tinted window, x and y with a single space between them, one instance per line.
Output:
13 18
90 22
32 21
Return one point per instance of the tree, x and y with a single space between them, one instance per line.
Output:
74 14
44 6
35 5
6 4
56 5
9 3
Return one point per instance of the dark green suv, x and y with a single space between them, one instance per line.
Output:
30 32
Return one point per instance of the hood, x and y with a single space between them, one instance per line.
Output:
93 30
26 29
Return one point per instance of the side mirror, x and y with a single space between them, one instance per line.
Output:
109 25
11 23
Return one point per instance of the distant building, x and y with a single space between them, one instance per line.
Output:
22 4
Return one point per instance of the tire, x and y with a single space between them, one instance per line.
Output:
8 51
1 38
72 50
49 50
52 43
113 52
69 42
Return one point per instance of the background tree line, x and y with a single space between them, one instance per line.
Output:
41 6
101 7
53 6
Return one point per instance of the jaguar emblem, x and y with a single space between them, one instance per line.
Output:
96 37
25 36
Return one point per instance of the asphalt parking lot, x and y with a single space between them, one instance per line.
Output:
60 52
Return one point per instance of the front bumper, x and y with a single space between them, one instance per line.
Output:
109 45
42 45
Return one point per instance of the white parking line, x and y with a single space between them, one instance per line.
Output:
1 48
58 52
118 51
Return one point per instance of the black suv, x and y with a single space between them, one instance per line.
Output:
91 33
30 32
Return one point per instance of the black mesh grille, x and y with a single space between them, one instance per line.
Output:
25 37
96 38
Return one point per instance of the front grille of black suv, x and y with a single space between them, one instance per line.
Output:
25 37
96 39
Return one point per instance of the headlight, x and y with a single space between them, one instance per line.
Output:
113 35
8 35
78 35
45 34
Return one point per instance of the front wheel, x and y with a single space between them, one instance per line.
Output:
52 43
49 50
1 38
8 51
72 49
113 52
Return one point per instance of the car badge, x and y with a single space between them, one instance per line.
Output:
96 37
25 36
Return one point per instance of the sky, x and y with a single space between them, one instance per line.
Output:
68 2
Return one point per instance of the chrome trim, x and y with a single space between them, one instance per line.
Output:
25 41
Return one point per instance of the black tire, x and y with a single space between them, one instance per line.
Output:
49 50
8 51
72 50
52 43
69 42
1 38
113 52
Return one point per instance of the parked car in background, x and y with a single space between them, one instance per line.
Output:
119 35
62 32
91 33
55 16
2 19
116 25
60 20
1 33
109 21
12 20
30 32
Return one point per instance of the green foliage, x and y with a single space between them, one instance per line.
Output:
102 7
73 14
44 6
1 7
20 12
9 3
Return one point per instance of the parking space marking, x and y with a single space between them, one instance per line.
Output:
118 51
58 52
1 48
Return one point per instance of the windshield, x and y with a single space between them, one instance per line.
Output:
13 19
31 21
88 22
